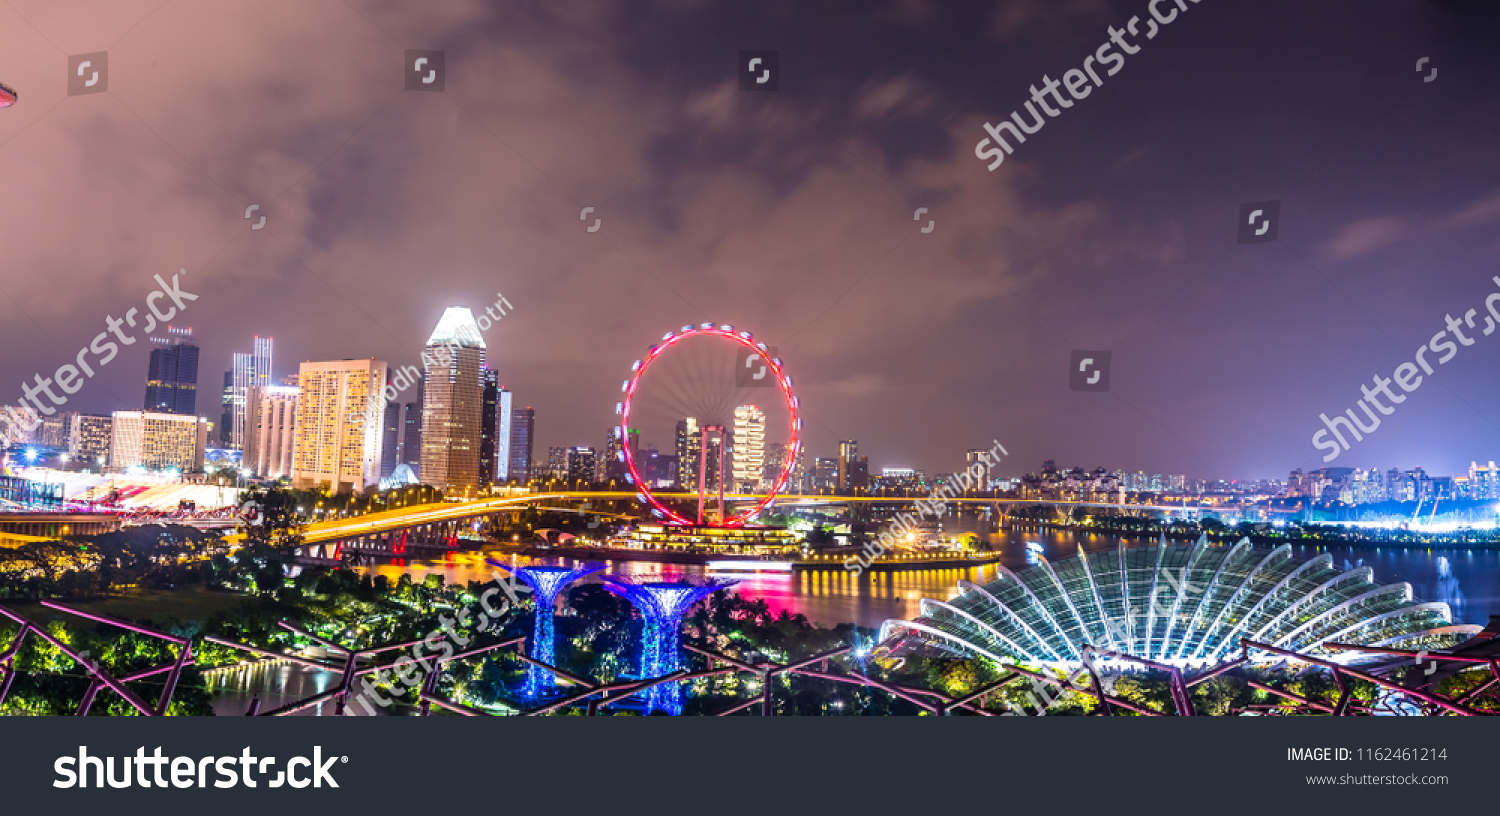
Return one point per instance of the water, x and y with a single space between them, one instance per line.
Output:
276 683
1469 580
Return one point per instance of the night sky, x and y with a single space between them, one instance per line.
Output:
789 212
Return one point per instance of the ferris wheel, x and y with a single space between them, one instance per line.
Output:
705 374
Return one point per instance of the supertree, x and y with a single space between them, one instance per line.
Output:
662 604
546 583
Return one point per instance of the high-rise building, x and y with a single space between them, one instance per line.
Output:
494 452
776 454
657 468
154 441
225 434
453 403
689 440
249 370
859 472
270 430
749 448
557 463
1484 482
613 467
411 434
335 447
848 453
825 473
88 439
172 377
390 435
55 429
977 457
581 465
522 434
487 417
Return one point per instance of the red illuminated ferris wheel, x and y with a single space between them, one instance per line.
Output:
697 475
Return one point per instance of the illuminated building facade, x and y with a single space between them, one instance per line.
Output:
581 465
335 447
248 371
271 430
749 448
522 438
453 403
689 442
88 438
172 376
146 439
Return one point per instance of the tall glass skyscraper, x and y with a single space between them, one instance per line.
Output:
453 403
249 370
522 437
172 378
494 452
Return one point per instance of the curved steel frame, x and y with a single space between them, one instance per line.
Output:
744 338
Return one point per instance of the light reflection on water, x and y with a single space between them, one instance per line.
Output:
1469 580
276 683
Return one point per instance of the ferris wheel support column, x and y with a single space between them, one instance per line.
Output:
703 469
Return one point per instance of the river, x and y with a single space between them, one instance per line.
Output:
1471 585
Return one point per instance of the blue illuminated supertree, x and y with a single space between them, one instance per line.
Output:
663 605
546 583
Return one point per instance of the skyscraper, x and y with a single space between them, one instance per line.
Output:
522 435
253 369
848 453
494 451
749 448
977 457
335 447
689 440
487 417
411 434
390 430
613 467
581 466
504 419
225 435
825 473
271 430
557 463
452 403
172 377
776 454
